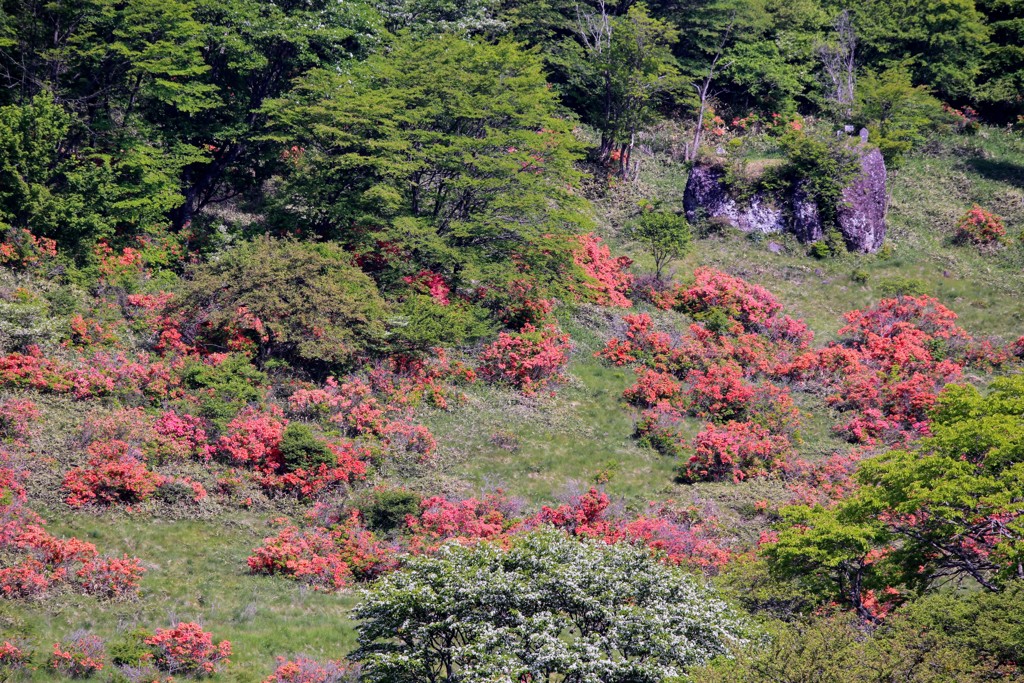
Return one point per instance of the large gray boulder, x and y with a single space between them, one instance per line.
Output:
865 202
861 213
707 192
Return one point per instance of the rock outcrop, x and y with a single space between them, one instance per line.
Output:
865 202
861 214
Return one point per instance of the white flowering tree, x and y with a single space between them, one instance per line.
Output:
548 608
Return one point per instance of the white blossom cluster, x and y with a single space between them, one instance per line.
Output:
549 608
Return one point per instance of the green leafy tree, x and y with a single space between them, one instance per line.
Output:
898 114
617 69
445 154
665 235
942 42
549 608
951 510
298 301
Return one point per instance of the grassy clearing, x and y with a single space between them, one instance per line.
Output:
195 572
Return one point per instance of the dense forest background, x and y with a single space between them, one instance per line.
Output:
369 341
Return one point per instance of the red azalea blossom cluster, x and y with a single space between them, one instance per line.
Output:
14 655
305 670
429 282
736 449
325 558
21 249
530 360
187 649
330 558
610 276
80 656
980 227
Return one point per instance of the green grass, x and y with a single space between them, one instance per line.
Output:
196 567
195 572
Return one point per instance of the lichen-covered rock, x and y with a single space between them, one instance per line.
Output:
865 201
708 195
860 215
806 218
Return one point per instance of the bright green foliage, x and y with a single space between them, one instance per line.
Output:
941 41
549 608
312 305
448 151
300 449
617 68
419 323
837 650
949 510
225 388
75 200
898 115
665 235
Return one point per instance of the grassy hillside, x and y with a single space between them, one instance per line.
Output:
542 448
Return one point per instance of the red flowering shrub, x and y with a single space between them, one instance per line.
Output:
652 387
304 670
325 558
21 249
682 543
529 360
15 416
980 227
114 475
465 521
179 437
80 656
111 578
712 290
14 655
429 282
27 579
186 649
736 449
253 439
609 276
520 306
583 516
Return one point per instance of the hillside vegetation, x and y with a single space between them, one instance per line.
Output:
370 342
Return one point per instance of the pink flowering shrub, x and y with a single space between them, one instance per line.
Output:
980 227
735 450
79 656
530 360
609 276
305 670
16 414
188 650
111 578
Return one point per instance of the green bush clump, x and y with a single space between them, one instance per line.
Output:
224 389
389 507
903 286
300 449
302 302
